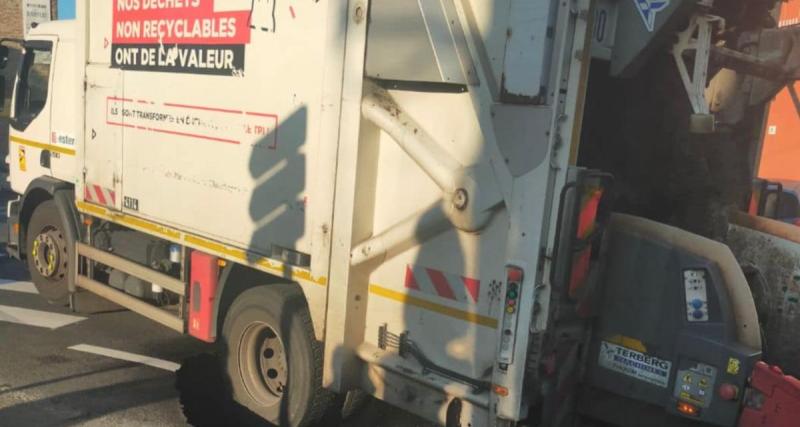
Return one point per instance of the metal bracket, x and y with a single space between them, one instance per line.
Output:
697 38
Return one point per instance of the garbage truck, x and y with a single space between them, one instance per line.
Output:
484 212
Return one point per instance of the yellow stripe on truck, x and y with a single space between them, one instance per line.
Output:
196 242
42 146
466 316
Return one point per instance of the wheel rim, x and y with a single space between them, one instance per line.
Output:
49 254
262 362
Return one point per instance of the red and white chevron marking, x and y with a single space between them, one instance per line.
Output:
99 195
446 285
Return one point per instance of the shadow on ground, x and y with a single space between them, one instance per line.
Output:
205 403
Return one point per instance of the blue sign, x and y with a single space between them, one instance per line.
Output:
66 9
648 10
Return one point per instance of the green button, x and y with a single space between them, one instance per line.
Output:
512 294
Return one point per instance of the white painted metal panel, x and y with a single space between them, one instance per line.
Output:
527 52
100 31
103 147
516 38
443 290
236 151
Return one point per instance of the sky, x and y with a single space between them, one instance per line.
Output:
66 9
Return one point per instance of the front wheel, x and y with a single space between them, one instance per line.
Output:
272 360
47 253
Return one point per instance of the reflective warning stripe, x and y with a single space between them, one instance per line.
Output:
445 285
99 195
42 146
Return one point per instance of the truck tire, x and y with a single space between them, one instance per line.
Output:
47 253
271 358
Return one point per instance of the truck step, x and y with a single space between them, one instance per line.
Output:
149 275
167 318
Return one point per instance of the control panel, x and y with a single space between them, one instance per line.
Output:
696 290
695 384
663 336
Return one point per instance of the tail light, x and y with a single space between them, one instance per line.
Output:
581 261
579 231
513 295
688 409
202 296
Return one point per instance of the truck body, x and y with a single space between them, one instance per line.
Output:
392 197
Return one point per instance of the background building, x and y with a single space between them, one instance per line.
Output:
11 16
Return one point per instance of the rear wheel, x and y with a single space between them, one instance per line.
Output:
272 360
47 255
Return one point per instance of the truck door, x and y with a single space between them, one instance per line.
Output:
103 147
29 140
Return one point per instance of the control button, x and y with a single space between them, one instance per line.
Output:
703 382
687 378
697 303
510 310
511 302
729 392
697 314
512 294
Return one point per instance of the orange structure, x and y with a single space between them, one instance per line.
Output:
780 154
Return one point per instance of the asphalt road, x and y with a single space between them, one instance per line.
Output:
44 383
51 374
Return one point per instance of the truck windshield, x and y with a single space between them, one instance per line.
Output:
33 84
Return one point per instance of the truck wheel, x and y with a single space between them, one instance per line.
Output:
47 256
273 362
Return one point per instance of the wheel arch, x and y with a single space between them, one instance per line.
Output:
234 280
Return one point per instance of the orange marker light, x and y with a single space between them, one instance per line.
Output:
500 390
16 228
688 409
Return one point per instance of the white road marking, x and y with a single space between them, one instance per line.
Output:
130 357
14 286
40 319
